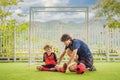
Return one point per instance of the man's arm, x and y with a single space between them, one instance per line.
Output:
61 57
74 54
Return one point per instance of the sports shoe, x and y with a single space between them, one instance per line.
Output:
64 68
92 68
80 68
39 68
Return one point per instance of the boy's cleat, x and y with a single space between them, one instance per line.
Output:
64 68
80 68
39 68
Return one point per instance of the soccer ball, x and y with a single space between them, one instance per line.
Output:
80 68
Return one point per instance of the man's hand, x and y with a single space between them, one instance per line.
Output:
61 57
58 63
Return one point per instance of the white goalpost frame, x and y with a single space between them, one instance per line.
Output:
31 22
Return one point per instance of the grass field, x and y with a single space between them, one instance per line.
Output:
21 71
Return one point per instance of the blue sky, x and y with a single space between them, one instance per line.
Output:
82 2
28 3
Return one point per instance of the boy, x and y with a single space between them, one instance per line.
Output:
49 58
78 51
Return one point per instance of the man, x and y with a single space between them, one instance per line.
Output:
78 51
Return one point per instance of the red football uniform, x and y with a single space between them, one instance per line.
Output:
49 59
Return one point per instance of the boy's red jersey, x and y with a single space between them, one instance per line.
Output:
49 59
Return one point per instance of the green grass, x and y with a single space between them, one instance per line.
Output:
21 71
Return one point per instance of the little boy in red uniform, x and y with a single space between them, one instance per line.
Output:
49 58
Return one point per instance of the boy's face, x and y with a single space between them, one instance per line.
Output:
67 42
48 50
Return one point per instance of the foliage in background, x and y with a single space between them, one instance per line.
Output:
110 9
8 26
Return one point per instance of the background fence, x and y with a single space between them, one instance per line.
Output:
104 42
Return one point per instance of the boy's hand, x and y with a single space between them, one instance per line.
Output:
52 69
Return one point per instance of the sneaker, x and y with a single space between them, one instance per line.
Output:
64 68
92 68
39 68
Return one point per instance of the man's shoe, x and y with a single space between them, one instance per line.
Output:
92 68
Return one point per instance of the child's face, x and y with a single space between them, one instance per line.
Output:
48 50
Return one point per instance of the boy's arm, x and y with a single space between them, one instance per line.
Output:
74 54
61 57
44 57
55 57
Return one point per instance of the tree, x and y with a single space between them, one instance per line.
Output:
8 27
110 9
5 7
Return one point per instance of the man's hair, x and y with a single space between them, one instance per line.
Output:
47 46
65 37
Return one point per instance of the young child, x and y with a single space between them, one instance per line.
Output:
49 58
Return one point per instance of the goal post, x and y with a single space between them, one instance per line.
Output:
47 24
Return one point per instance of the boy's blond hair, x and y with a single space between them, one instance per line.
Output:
47 46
